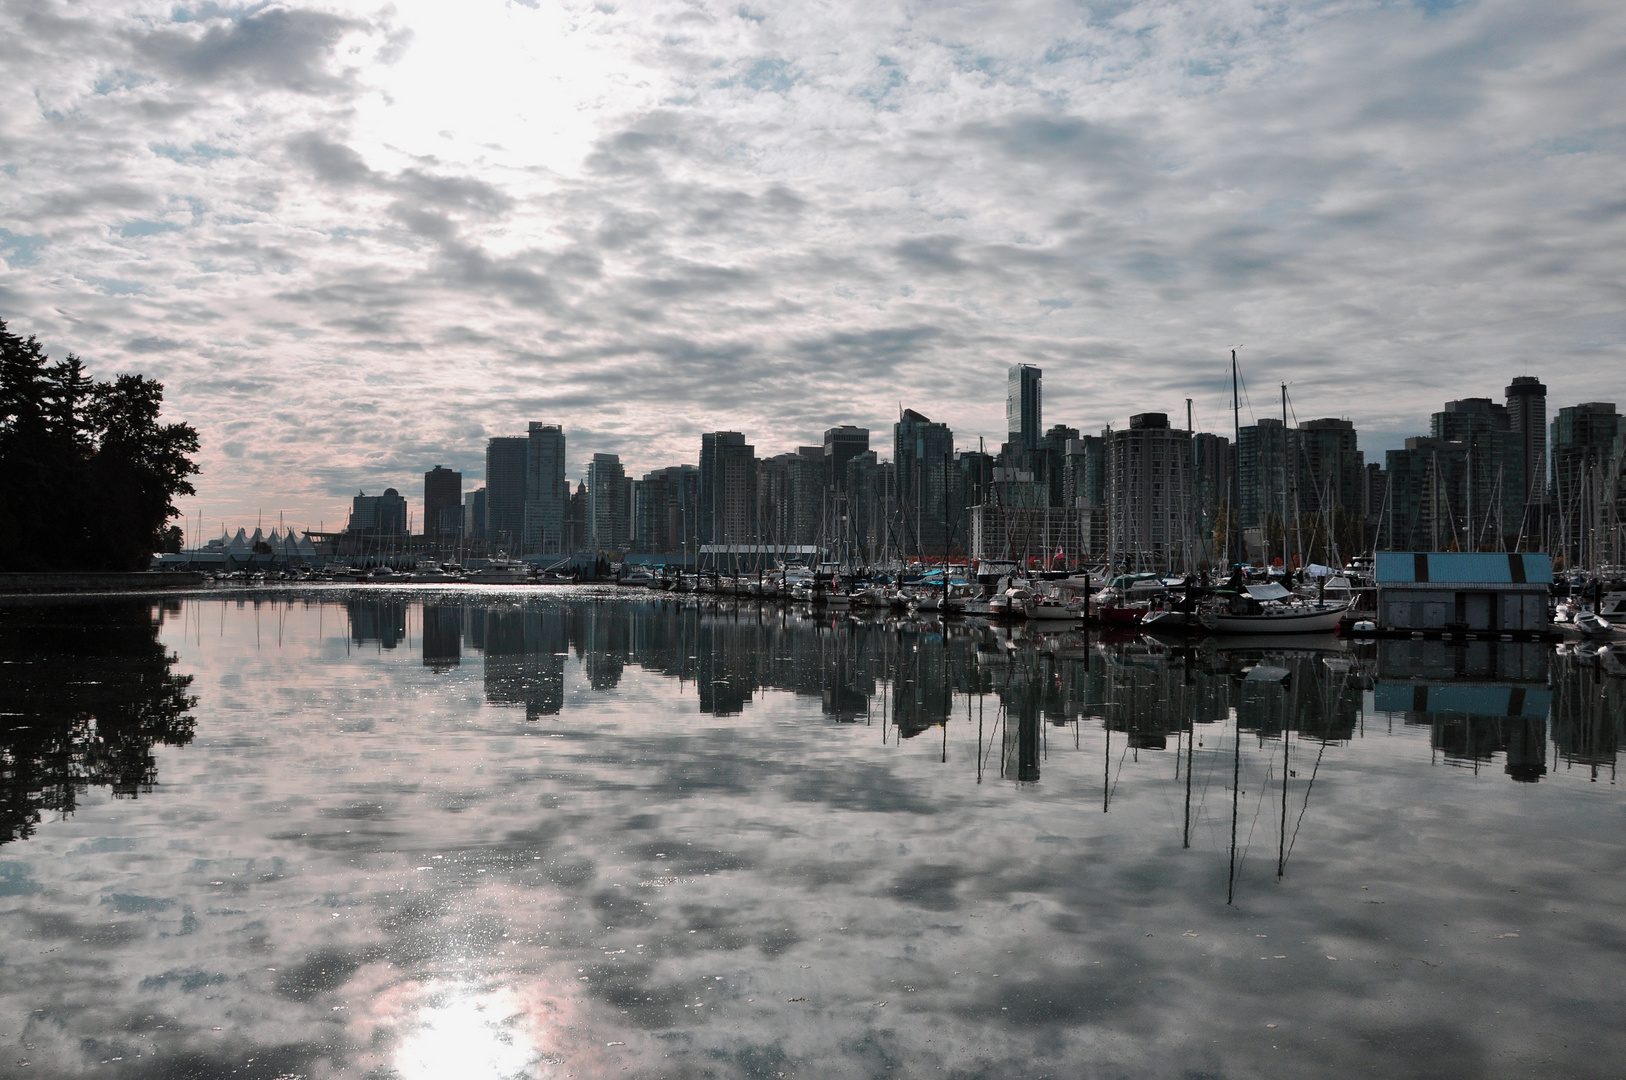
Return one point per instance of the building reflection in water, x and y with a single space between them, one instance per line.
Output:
377 618
1479 700
442 636
1525 704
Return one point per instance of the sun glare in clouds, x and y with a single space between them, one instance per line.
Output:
499 84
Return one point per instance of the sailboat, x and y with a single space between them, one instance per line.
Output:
1270 608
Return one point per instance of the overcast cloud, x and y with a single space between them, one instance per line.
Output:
356 242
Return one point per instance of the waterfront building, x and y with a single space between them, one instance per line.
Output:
1022 405
1084 482
1261 472
474 514
1149 492
442 491
1474 591
606 504
923 453
1454 494
378 515
1584 484
1048 461
505 493
1211 463
728 496
546 490
1016 521
575 533
791 496
872 486
1328 466
1527 420
665 510
841 445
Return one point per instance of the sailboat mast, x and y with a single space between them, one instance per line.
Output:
1236 446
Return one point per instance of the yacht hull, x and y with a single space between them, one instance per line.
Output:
1291 621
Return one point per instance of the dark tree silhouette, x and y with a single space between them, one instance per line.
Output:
89 692
88 475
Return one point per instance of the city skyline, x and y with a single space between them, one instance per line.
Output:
353 243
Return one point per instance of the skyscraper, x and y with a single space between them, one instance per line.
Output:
378 515
666 508
923 453
841 445
547 494
442 490
728 480
1261 476
1022 411
1527 419
1149 492
474 515
1582 441
1328 465
505 493
1490 476
1211 463
606 504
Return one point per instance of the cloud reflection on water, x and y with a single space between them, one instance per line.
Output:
629 835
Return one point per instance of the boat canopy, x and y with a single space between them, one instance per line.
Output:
1272 591
1126 581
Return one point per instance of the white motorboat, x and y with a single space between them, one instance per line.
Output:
1591 624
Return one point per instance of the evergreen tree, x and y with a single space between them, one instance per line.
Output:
88 474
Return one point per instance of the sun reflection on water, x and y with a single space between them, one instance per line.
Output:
463 1030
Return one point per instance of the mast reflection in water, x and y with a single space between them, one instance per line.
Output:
523 834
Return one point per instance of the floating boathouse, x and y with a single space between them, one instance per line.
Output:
1463 592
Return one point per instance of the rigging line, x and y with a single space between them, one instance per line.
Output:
1114 789
1316 769
1264 786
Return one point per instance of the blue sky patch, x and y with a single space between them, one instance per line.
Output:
20 249
146 228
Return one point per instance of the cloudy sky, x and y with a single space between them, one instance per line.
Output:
356 242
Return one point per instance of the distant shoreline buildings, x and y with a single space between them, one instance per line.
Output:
1489 475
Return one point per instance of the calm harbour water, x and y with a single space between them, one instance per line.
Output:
484 833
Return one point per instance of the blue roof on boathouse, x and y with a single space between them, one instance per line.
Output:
1464 568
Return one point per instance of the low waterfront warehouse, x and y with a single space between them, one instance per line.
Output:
1463 591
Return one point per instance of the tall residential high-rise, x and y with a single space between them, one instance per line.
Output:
1211 464
1022 409
1149 492
505 493
1261 471
1527 419
1328 466
841 445
474 515
606 504
378 515
547 494
442 490
728 482
667 510
1581 447
1490 476
1085 483
791 498
923 453
872 501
